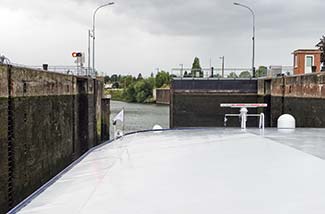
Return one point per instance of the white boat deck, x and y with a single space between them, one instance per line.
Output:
226 171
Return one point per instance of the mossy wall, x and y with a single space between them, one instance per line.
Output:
47 120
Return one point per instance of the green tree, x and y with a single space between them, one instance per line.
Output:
162 78
245 74
152 82
129 93
196 67
261 71
143 90
107 79
139 76
114 78
232 75
126 81
321 46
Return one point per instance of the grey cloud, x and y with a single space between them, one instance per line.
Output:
217 18
210 27
208 18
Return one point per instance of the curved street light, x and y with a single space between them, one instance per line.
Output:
93 32
251 10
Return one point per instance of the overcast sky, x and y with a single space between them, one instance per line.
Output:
135 36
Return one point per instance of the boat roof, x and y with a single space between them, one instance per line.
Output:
213 170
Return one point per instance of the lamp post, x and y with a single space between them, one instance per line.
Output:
253 38
93 32
182 67
223 66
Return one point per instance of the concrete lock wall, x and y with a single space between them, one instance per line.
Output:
47 120
3 142
302 96
196 103
163 96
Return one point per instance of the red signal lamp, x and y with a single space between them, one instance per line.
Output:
76 54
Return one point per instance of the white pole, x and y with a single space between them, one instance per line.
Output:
123 121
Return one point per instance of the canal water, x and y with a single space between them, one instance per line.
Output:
140 116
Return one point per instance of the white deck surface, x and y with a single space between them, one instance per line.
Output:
224 171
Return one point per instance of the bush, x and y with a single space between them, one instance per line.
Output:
245 74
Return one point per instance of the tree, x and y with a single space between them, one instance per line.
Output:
107 79
245 74
162 78
114 78
321 46
115 85
232 75
196 67
143 90
152 82
139 76
129 93
261 71
126 81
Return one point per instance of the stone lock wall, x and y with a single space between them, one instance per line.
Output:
47 120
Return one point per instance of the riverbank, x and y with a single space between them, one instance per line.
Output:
140 116
160 96
118 95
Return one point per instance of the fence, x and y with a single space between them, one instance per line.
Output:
69 70
233 73
211 72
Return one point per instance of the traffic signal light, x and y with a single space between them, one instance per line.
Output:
76 54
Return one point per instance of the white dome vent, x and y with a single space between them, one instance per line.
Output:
286 121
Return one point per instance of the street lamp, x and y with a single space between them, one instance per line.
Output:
250 9
222 66
93 34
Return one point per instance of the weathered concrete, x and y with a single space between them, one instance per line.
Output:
42 142
3 155
3 140
216 85
105 117
302 96
51 119
163 96
203 109
196 103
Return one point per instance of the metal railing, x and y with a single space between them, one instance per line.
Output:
208 73
63 69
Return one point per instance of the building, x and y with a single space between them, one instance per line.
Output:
306 61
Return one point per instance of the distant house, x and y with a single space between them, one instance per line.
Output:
306 61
